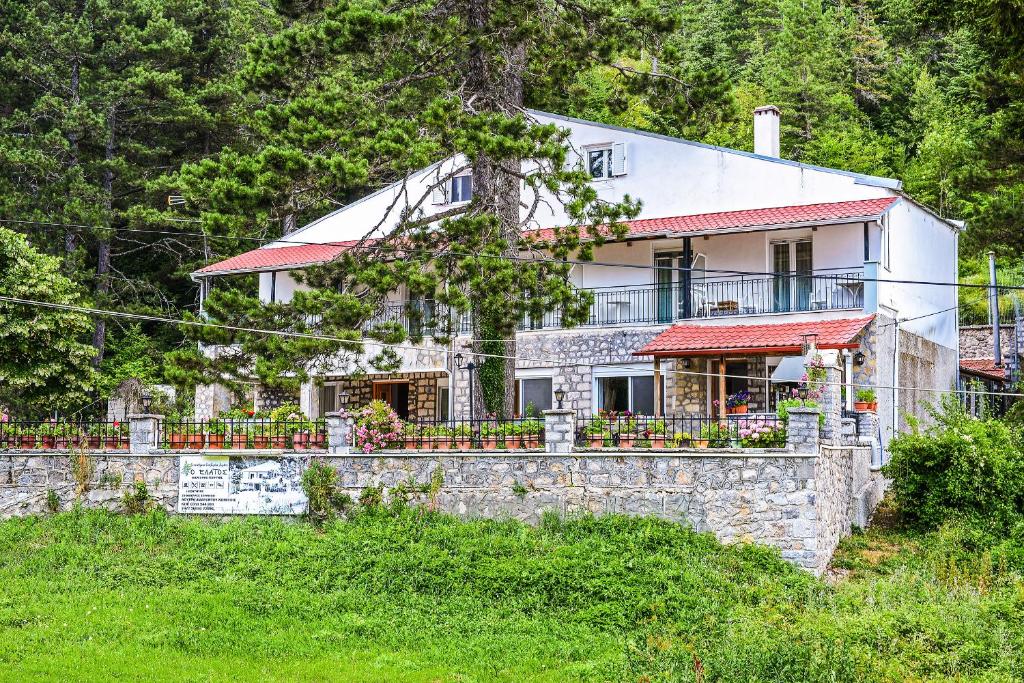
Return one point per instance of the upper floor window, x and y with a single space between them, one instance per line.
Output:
606 161
462 189
458 189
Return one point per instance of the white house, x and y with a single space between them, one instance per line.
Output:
755 255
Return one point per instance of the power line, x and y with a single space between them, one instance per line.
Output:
639 266
445 351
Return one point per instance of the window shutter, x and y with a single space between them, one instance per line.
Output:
619 159
439 195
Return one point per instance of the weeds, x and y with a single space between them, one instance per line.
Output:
52 501
136 499
82 469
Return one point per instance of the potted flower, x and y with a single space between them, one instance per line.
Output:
25 437
760 434
463 437
438 437
259 434
216 430
412 436
654 434
736 404
865 399
597 433
531 430
115 436
713 435
377 426
680 440
490 435
46 435
96 435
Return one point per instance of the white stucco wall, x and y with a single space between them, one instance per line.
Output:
284 289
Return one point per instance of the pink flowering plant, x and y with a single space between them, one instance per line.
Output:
759 433
377 426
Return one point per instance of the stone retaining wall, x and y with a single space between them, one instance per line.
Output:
800 503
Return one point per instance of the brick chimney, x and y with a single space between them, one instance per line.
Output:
766 130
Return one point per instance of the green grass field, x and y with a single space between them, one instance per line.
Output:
409 596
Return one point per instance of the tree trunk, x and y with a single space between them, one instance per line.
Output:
70 237
99 336
496 84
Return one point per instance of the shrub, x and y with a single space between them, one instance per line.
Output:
52 500
320 484
377 426
958 468
136 499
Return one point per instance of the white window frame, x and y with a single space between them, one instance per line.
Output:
884 247
634 370
608 151
451 189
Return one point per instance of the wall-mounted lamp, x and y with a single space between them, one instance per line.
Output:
559 396
343 398
859 358
147 401
687 363
802 392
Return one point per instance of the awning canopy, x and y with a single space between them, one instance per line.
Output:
766 340
790 370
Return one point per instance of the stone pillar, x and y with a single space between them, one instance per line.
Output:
802 432
143 432
867 433
559 430
339 432
830 394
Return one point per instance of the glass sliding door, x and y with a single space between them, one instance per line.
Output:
669 287
792 282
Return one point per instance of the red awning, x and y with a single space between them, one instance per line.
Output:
723 221
767 339
278 258
983 367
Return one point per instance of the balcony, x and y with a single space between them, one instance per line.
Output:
663 304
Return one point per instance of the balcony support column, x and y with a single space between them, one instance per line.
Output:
721 389
687 278
657 387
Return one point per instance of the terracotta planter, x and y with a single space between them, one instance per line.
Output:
463 443
873 406
300 441
175 441
657 441
860 405
412 443
261 442
531 441
737 410
440 443
279 441
597 440
26 441
626 440
111 442
94 442
216 441
489 443
700 443
239 441
195 441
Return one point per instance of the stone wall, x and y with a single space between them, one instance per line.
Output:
268 399
212 400
976 341
422 391
25 480
799 503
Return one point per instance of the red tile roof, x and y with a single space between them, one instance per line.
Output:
713 340
983 367
726 220
279 258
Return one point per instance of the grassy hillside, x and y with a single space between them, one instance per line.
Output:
423 597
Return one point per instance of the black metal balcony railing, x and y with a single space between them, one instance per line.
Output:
663 304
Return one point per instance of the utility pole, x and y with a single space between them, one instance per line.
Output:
993 309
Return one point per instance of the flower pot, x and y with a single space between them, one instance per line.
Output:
738 410
239 441
47 441
860 405
440 443
279 441
597 440
531 441
489 443
111 442
657 442
94 442
26 441
195 441
700 443
412 443
301 441
873 406
626 440
216 441
261 442
463 443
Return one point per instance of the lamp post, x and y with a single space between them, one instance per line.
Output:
147 402
559 396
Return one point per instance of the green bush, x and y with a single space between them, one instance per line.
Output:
958 468
320 484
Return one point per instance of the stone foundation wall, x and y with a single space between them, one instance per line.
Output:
25 480
976 341
799 503
422 391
